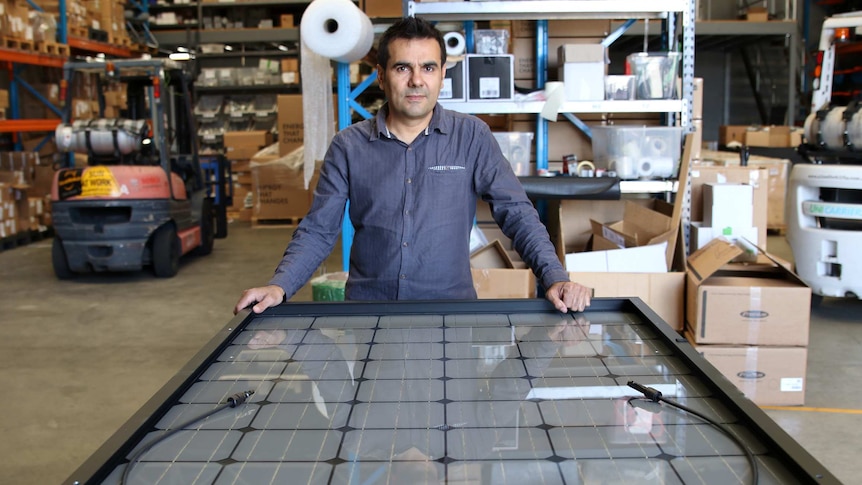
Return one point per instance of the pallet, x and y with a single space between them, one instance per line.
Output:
17 44
24 238
12 242
78 32
52 48
122 41
275 223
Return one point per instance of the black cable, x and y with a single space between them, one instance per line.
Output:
655 395
231 402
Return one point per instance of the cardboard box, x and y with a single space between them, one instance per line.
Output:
757 14
769 376
279 190
454 83
767 306
242 145
643 259
524 50
504 283
569 222
291 133
490 77
731 133
382 8
582 71
728 205
754 176
492 255
743 237
640 226
778 171
664 293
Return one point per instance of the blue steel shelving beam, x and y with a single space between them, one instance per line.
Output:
346 101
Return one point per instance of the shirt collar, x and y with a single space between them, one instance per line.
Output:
441 121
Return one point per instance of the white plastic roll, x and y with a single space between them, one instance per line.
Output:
656 147
337 29
455 44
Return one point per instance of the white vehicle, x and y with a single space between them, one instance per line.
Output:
824 198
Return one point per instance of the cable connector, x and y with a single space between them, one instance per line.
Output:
238 398
650 393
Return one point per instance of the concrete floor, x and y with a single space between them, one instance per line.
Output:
79 358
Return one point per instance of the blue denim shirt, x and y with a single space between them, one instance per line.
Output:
412 207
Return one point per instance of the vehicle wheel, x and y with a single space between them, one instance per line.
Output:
207 228
816 300
59 261
166 252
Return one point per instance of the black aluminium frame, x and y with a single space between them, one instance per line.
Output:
113 452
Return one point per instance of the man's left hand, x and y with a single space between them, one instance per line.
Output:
566 296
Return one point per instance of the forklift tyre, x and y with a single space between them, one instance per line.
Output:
59 261
207 228
166 252
816 300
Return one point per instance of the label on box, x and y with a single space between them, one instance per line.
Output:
791 384
489 87
446 89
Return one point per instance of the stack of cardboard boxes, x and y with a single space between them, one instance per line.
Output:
760 136
746 312
622 249
25 188
750 322
777 171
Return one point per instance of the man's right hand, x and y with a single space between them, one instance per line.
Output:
262 298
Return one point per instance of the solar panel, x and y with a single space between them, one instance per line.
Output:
449 392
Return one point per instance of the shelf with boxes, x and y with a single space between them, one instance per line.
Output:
549 40
212 21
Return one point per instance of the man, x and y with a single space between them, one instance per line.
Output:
413 175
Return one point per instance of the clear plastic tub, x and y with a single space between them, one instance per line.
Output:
516 147
491 41
638 152
619 87
655 74
209 106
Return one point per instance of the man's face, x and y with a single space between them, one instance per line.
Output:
412 78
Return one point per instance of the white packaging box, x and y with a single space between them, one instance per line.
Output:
728 205
582 71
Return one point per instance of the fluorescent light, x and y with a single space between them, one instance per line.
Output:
181 56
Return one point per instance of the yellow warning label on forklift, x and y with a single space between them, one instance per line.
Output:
99 182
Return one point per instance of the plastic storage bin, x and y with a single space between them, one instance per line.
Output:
655 74
638 152
516 147
619 87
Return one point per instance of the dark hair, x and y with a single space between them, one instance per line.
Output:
409 28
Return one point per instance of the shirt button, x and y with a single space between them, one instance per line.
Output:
409 181
403 277
407 212
404 244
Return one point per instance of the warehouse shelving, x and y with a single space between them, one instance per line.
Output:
20 58
544 10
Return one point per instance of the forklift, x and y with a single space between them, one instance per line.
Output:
143 198
824 196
